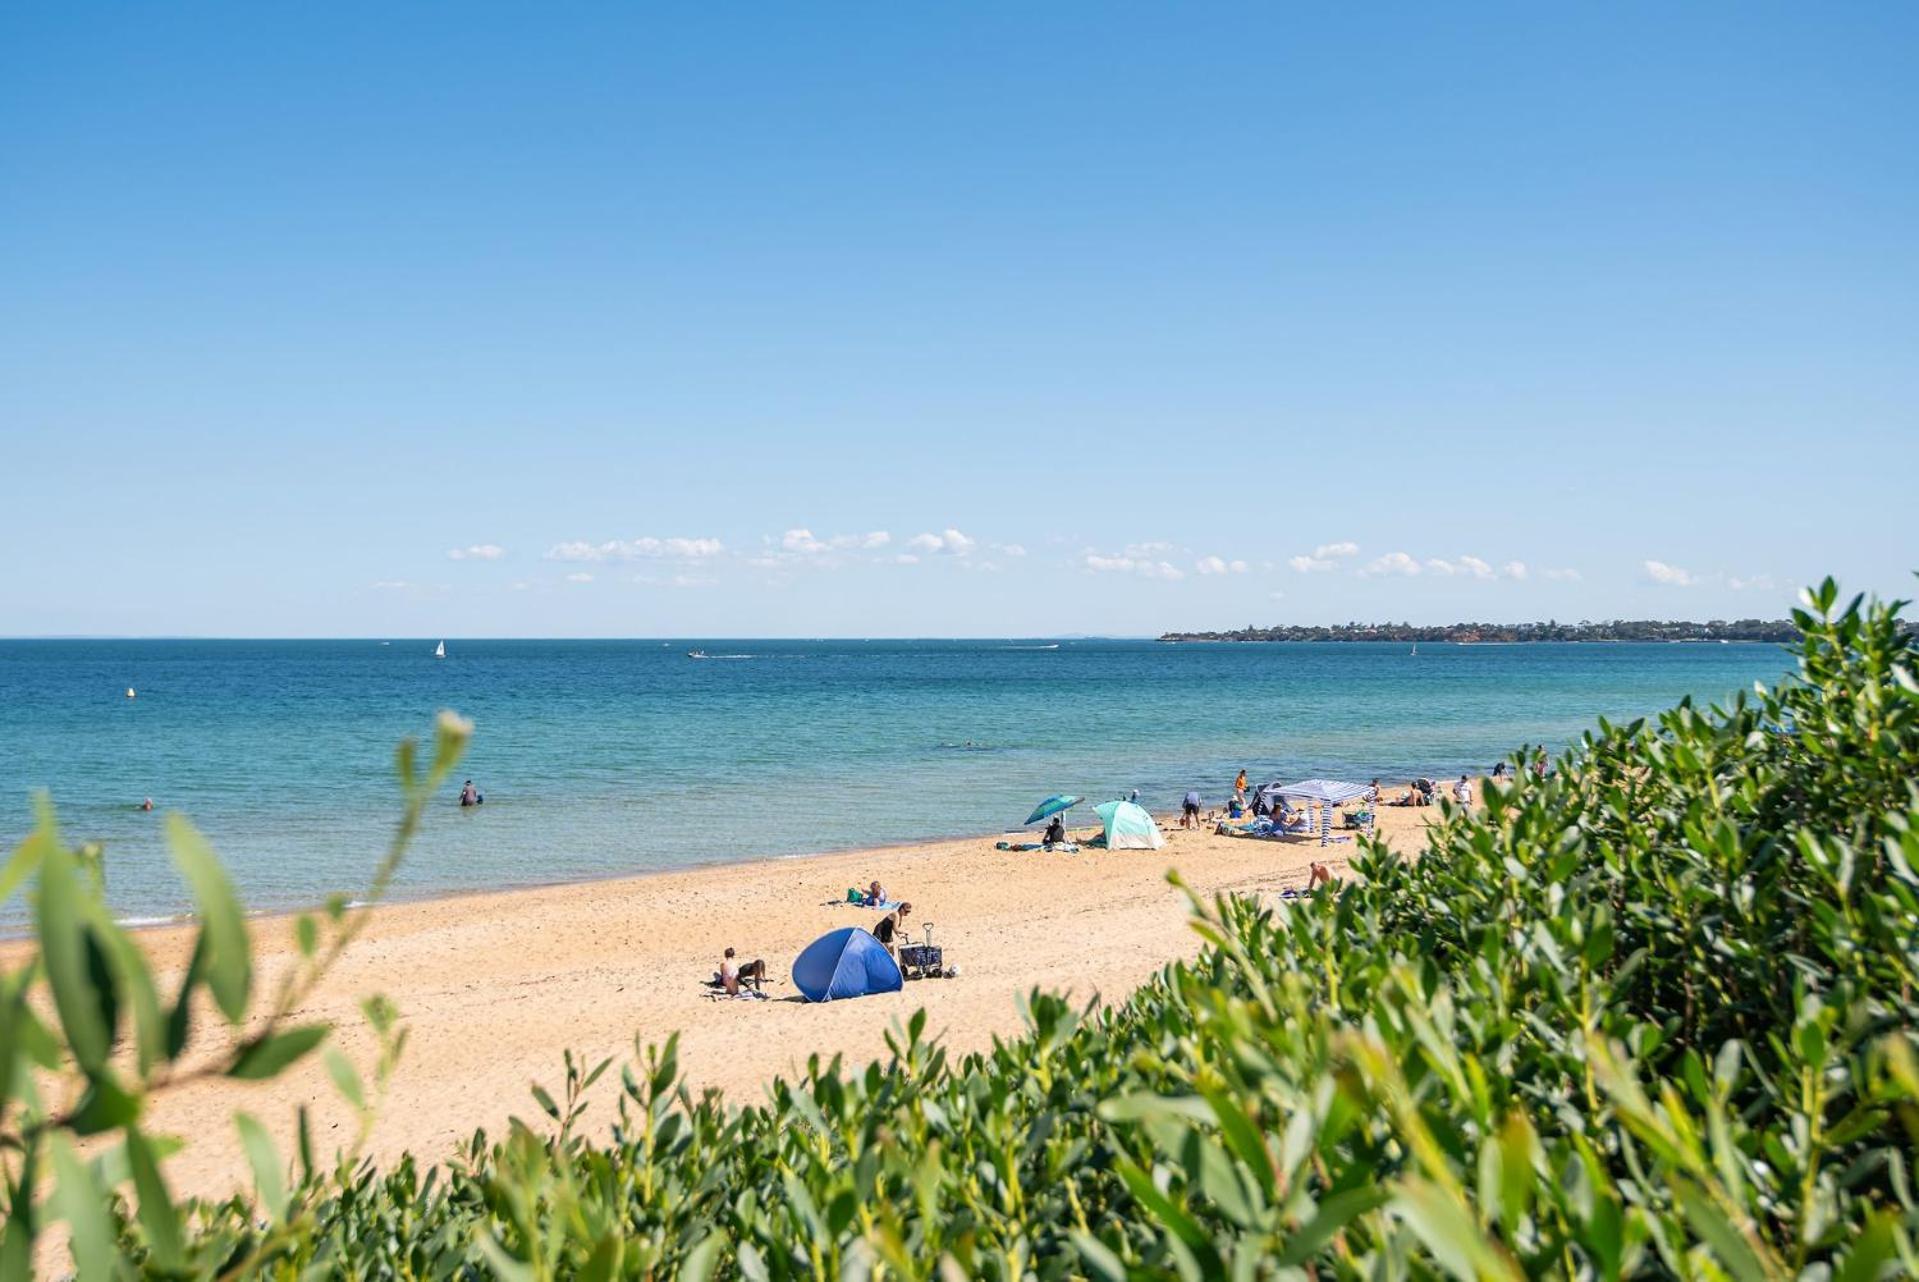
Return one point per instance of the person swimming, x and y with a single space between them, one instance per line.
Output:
470 796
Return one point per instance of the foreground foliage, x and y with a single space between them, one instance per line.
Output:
1649 1016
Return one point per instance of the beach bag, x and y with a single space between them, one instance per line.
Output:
854 897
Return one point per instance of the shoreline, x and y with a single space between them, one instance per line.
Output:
141 926
495 985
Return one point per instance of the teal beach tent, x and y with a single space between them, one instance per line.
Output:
1128 827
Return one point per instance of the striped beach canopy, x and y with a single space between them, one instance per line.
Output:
1330 791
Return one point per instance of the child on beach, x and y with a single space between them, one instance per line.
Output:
732 973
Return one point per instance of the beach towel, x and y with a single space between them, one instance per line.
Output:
744 995
1064 847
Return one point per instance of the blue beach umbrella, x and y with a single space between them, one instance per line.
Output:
1051 806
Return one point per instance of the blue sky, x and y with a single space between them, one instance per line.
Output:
876 319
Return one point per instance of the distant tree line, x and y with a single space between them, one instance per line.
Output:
1551 630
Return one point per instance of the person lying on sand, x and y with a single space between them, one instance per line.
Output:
891 925
733 974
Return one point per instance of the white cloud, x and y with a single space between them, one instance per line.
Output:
635 549
1391 563
949 542
1309 564
1514 570
1564 576
1760 582
579 576
1329 551
1145 567
801 541
1219 565
477 552
1670 575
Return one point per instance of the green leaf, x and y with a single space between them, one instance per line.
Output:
1734 1249
269 1179
306 935
104 1107
180 1018
26 859
1333 1214
1100 1261
19 1229
134 981
1448 1231
346 1078
79 1201
1870 1254
699 1262
64 951
268 1055
229 959
159 1217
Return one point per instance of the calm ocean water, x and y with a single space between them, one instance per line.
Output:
602 758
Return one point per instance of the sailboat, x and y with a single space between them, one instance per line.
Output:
1415 650
439 651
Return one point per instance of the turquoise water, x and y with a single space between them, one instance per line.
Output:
604 758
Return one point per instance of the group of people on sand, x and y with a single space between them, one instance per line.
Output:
736 976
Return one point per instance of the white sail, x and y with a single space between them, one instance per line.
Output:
439 651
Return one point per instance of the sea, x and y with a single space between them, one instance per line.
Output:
606 758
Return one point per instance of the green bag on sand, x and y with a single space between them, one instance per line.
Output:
853 896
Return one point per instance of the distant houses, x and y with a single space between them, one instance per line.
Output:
1552 630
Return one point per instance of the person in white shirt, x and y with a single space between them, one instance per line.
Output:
1463 791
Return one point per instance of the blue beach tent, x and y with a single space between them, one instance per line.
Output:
847 962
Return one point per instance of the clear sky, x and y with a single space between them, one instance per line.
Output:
980 319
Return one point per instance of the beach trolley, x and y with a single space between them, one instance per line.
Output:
922 961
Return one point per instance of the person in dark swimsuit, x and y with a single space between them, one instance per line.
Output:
1055 832
892 925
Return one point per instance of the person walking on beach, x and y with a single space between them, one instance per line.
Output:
1463 792
1239 786
1189 810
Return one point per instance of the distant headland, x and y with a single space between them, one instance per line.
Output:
1552 630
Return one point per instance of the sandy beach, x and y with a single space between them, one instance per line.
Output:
494 987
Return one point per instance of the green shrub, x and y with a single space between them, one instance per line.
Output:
1649 1016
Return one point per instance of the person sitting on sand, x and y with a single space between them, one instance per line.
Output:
1291 820
891 925
733 974
1055 833
1372 794
874 897
1410 797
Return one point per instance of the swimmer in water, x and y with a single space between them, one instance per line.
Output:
470 796
147 804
